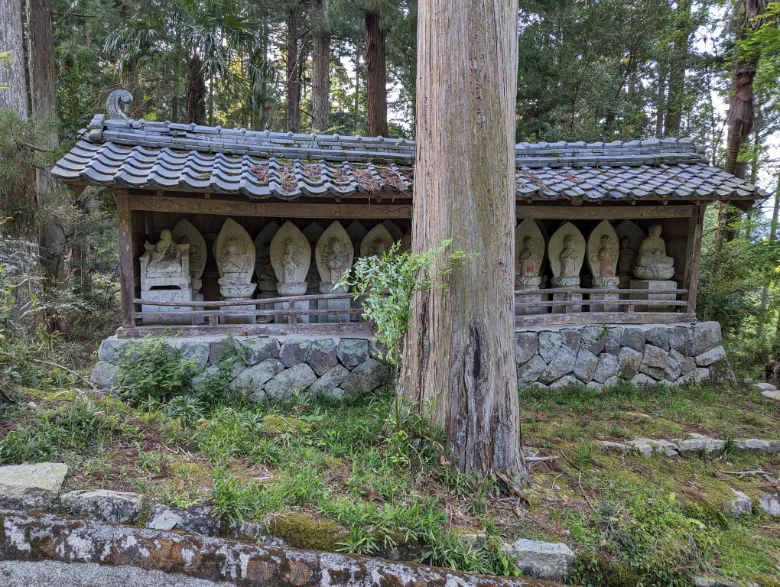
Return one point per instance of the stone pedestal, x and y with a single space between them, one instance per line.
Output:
655 291
605 283
293 289
334 305
561 297
167 295
248 319
530 284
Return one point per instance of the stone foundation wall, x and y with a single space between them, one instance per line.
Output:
549 357
270 367
603 356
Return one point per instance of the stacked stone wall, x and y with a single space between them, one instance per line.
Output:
599 356
605 356
270 368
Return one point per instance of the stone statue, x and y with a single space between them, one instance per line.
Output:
566 251
625 257
605 258
527 263
164 258
235 255
266 279
337 260
185 233
291 259
165 277
376 242
652 262
334 254
568 257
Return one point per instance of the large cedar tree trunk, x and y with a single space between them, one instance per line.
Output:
376 75
43 102
320 82
459 351
293 65
196 90
679 63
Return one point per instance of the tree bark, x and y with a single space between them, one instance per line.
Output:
12 73
43 102
459 350
320 94
679 63
293 85
772 237
196 90
376 75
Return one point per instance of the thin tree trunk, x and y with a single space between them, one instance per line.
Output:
356 113
293 65
376 75
459 351
772 237
676 100
320 94
196 90
12 73
660 101
43 102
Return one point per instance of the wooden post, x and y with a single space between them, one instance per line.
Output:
124 224
693 257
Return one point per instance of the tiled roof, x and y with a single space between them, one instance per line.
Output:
262 164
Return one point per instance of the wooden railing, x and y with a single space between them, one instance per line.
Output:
572 305
212 311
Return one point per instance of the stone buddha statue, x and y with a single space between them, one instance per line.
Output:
625 257
236 269
377 248
164 258
266 278
528 265
568 257
290 261
605 257
336 260
652 262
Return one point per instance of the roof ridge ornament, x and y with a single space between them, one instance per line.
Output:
114 104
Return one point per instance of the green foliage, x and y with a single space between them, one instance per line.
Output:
155 372
390 282
78 429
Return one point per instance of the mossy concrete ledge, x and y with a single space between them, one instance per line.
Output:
33 537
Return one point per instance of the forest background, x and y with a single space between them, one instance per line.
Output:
588 70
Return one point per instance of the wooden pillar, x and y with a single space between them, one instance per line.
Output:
124 224
693 256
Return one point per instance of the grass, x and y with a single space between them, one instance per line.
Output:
358 477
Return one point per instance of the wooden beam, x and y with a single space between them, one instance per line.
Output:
268 209
347 330
693 256
604 318
124 223
604 212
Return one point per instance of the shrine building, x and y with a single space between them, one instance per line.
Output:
248 234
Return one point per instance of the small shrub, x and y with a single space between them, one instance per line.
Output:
154 371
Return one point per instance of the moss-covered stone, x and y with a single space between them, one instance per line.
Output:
274 424
301 531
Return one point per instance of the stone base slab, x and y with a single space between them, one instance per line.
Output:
655 289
